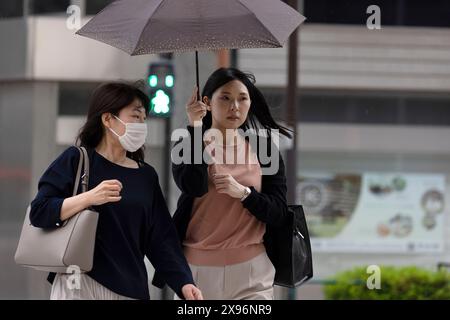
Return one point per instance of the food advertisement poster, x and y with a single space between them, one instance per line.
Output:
374 212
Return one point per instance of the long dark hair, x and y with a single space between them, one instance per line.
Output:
259 109
110 98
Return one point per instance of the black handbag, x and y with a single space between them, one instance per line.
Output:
289 249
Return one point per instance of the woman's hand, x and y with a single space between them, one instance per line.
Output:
196 110
191 292
106 191
225 183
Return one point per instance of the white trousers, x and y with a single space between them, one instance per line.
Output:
89 289
250 280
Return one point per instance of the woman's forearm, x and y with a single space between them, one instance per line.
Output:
73 205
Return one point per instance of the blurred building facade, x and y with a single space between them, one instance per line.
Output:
369 101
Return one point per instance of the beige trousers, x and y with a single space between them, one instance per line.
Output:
64 288
250 280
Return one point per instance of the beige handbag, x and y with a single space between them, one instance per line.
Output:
71 245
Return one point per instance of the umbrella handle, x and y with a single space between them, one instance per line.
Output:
197 77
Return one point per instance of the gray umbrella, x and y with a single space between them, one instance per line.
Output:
159 26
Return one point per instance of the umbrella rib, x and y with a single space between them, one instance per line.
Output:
262 24
145 26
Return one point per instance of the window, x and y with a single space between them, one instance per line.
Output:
11 8
49 6
74 98
369 108
393 12
95 6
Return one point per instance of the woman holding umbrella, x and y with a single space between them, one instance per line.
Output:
224 208
133 217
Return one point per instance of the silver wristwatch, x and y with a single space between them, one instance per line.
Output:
247 192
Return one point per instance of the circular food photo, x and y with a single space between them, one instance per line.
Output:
383 230
313 195
401 225
429 221
399 183
380 189
433 202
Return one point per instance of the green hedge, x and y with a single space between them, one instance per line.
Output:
397 283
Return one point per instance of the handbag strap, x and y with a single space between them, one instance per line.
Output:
78 175
84 159
85 177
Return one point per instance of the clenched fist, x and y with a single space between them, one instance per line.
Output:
106 191
225 183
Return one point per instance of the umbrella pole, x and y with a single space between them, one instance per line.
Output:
197 77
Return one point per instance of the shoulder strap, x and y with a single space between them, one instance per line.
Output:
78 175
84 159
85 177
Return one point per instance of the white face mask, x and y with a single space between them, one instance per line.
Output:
134 137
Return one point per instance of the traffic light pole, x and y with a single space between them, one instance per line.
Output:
161 80
166 293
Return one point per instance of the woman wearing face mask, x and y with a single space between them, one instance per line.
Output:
133 217
226 206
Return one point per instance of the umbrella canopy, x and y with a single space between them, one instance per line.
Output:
159 26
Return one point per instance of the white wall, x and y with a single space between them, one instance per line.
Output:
354 57
386 139
43 48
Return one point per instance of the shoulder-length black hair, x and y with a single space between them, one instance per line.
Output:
259 109
110 98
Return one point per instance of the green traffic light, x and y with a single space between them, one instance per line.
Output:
153 80
169 81
160 103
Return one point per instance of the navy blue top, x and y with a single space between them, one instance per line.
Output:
139 224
